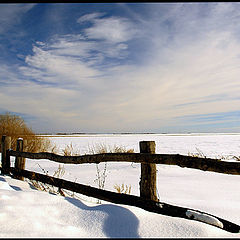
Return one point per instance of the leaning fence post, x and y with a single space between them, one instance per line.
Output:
20 161
148 173
5 145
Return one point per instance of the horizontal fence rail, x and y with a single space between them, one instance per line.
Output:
205 164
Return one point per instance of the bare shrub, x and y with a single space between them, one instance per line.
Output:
101 176
15 127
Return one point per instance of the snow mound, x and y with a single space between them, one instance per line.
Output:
25 212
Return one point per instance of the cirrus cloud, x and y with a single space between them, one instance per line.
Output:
177 69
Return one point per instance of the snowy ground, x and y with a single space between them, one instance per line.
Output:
25 212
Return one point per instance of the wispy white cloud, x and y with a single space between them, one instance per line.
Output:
111 29
74 61
90 17
51 67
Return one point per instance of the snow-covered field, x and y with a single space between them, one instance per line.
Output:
25 212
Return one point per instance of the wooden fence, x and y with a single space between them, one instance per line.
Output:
148 199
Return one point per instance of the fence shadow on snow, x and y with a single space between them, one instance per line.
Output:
147 200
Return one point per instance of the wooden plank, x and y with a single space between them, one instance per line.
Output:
205 164
121 198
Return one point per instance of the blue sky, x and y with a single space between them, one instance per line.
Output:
121 67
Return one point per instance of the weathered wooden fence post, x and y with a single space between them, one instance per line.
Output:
5 145
20 161
148 173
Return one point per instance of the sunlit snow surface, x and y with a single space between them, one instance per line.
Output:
25 212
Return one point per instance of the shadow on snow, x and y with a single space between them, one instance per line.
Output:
120 222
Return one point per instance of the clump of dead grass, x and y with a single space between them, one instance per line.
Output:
104 148
123 188
69 150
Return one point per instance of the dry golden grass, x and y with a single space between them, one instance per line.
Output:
123 188
70 151
103 148
199 154
15 127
